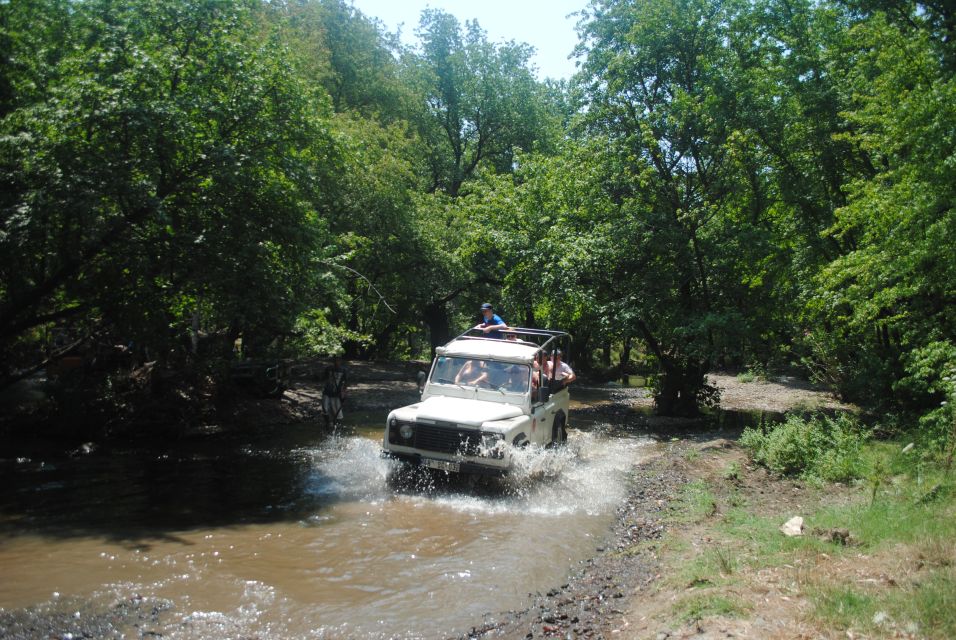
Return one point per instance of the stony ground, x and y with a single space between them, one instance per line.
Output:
778 395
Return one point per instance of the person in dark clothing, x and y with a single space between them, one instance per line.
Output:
333 392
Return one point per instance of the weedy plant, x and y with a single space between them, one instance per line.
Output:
817 447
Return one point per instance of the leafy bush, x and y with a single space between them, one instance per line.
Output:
815 447
930 380
755 371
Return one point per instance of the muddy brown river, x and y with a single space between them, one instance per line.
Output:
290 534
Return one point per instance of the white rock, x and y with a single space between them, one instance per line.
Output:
793 527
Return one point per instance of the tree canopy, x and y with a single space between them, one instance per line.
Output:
759 184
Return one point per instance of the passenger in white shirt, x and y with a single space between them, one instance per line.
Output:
560 371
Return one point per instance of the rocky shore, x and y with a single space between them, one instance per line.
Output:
592 603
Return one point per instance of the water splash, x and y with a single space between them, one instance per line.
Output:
587 475
350 468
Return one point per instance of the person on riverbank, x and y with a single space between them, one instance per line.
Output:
333 392
491 323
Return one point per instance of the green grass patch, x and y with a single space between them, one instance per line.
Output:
755 541
712 567
927 609
696 501
933 604
890 519
843 607
732 472
700 606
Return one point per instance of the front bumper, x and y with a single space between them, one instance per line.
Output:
450 466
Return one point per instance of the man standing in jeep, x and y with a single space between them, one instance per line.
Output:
491 323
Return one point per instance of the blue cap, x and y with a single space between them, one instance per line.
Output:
485 306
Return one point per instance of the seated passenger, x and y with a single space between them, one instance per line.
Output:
559 371
539 366
512 336
497 375
539 363
517 379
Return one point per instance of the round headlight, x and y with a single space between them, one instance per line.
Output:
406 431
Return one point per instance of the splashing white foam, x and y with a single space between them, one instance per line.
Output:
588 475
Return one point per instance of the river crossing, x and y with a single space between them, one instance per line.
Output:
289 533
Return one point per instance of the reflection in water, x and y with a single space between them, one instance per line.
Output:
289 538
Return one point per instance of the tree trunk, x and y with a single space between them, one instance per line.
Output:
625 354
606 354
435 316
677 395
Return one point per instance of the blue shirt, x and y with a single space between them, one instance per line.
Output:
494 320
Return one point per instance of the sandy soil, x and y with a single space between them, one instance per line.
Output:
782 394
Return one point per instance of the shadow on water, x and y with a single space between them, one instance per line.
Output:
138 495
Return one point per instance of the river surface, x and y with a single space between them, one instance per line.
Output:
290 534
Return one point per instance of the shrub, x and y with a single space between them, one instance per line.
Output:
929 387
814 447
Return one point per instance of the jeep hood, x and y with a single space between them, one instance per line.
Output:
465 411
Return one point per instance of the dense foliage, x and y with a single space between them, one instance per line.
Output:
765 183
818 447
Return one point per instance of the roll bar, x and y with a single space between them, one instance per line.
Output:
543 338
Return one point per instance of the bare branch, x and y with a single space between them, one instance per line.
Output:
370 285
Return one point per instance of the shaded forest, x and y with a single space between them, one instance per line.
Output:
764 185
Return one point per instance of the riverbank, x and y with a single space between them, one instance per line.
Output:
698 551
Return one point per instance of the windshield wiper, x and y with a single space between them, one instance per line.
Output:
457 384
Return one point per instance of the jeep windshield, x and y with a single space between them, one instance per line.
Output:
478 373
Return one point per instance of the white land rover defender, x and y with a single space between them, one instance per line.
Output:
483 397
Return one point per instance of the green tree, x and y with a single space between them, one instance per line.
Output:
887 302
167 177
483 100
672 261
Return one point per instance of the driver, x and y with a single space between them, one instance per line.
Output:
471 373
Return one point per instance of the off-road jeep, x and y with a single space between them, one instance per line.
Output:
483 397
